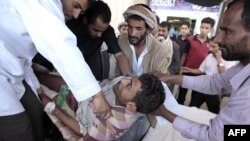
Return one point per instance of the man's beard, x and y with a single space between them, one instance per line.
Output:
230 53
137 40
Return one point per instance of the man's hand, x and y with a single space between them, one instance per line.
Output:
101 106
44 99
165 113
159 111
160 75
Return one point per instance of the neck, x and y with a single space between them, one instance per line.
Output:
183 37
202 38
140 47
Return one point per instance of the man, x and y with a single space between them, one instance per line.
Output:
144 52
163 28
123 28
197 52
233 39
27 27
127 95
92 29
182 41
212 64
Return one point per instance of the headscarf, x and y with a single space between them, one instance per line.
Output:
143 12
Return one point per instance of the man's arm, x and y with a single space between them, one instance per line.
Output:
123 64
165 113
63 117
191 129
183 58
113 47
176 79
190 70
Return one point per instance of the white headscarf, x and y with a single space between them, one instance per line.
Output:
143 12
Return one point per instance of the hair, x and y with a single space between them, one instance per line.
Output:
157 19
151 96
245 16
187 23
98 9
138 18
208 20
165 24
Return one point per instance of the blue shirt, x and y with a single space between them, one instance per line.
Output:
236 81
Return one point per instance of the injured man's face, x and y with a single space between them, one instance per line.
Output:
143 94
126 90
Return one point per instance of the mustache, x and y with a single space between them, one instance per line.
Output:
133 37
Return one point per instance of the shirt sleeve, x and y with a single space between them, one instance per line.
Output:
111 41
57 44
202 83
197 131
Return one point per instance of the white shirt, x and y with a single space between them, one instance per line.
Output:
209 64
38 25
137 69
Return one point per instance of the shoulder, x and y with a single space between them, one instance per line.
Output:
122 39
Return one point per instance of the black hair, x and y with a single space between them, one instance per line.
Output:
245 16
165 24
187 23
208 20
98 9
151 96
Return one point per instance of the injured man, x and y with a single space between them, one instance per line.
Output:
129 97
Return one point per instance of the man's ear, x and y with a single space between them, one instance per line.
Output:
131 106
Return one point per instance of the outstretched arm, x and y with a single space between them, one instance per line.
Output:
176 79
63 117
164 112
55 82
190 70
123 64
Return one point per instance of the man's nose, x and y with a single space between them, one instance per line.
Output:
218 37
76 13
133 32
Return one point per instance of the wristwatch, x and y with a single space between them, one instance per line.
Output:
221 65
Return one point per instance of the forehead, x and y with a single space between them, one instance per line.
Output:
184 26
206 25
162 28
84 3
232 17
99 24
137 23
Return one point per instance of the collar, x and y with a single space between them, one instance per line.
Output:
196 38
241 76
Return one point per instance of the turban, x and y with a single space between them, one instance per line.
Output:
143 12
122 24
